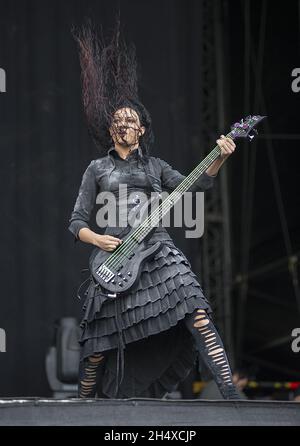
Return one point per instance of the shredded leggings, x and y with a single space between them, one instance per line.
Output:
89 372
211 349
209 346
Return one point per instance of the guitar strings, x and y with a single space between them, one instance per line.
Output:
169 202
147 225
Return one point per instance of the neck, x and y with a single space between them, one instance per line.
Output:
123 152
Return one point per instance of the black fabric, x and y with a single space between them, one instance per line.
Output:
89 374
107 173
207 341
166 292
135 328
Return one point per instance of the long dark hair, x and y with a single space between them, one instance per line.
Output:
109 82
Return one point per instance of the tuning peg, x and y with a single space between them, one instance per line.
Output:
252 134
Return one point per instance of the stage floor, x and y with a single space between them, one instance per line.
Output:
146 412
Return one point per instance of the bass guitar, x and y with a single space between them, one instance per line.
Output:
117 271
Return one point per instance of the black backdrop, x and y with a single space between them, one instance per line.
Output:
45 148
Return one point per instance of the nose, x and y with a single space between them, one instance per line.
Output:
122 128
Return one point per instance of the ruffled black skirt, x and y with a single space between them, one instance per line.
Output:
148 350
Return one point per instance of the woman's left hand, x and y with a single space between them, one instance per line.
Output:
226 145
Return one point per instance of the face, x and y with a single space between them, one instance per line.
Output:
126 128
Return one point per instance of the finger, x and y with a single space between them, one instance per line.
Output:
228 146
230 142
225 152
222 142
222 145
111 248
228 149
113 239
113 245
227 140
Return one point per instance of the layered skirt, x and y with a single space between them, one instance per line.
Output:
147 347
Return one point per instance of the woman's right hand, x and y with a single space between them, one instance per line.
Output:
106 242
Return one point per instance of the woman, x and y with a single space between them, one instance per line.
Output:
144 343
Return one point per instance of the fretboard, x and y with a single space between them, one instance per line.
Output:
153 220
158 214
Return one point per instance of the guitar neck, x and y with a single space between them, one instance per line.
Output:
157 215
242 129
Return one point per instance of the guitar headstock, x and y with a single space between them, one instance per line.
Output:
246 127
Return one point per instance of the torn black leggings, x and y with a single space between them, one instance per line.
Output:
210 347
90 373
208 343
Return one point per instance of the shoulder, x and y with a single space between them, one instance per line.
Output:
101 163
89 169
158 162
93 169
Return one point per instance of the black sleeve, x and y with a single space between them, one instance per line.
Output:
171 178
85 202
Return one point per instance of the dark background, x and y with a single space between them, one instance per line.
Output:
45 149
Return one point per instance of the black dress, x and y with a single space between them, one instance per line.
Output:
146 345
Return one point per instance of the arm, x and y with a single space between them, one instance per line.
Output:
84 205
171 178
227 147
80 217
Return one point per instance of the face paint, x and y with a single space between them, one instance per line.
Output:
126 129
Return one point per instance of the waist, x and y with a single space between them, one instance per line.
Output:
160 232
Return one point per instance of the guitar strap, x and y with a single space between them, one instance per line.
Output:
151 174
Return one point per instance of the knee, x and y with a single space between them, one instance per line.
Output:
197 320
200 319
96 359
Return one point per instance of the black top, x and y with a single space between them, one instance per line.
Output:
122 186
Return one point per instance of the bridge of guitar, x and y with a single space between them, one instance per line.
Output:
107 275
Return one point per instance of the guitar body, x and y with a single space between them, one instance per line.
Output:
123 278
